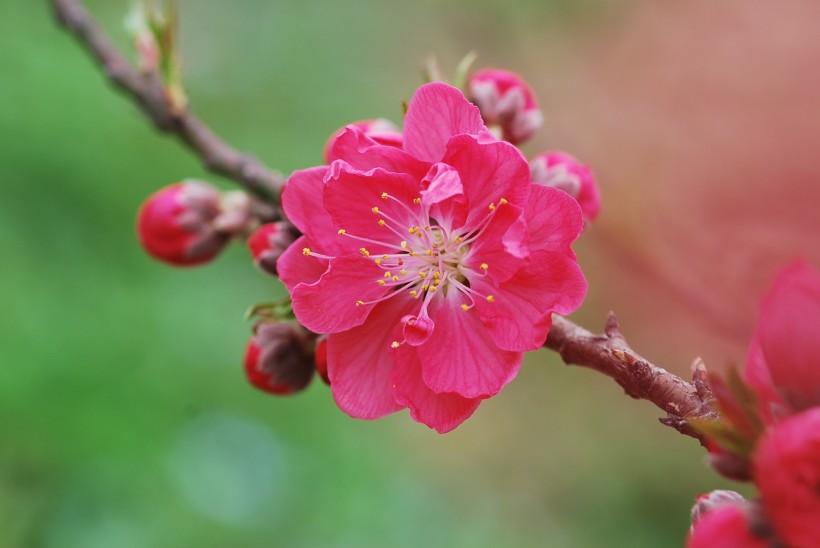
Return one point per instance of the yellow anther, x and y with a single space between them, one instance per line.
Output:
413 229
437 274
359 303
364 252
492 207
465 308
459 240
490 299
403 272
404 244
484 266
414 293
342 232
381 282
384 257
429 251
417 201
306 251
387 274
384 195
502 201
382 222
419 234
422 275
436 282
433 288
425 287
378 261
395 278
413 254
395 344
375 210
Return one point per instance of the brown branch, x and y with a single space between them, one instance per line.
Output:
610 354
147 91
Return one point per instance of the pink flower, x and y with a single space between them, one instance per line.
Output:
381 130
268 243
564 172
725 527
787 472
176 224
506 102
783 365
431 267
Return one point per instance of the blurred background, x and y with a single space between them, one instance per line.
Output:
125 417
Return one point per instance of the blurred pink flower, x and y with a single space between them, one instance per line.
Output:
787 472
783 365
431 267
562 171
506 102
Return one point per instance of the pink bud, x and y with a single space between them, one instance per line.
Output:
564 172
175 224
381 130
277 359
787 473
320 357
506 103
728 526
715 499
268 243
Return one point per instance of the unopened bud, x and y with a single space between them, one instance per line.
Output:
175 224
715 499
564 172
728 464
321 359
278 358
268 243
506 102
381 130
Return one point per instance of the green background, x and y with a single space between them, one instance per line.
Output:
125 419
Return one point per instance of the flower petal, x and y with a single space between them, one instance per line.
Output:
436 113
360 363
460 356
294 267
502 245
520 314
356 204
442 412
302 203
554 219
364 153
443 197
490 171
329 305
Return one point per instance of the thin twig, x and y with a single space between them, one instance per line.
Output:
609 353
147 91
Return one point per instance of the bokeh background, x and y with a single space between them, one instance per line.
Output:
125 420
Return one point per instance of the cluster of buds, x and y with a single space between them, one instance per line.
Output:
510 110
770 432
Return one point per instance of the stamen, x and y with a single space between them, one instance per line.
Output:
417 201
384 195
364 252
306 251
395 344
387 274
382 222
465 308
359 303
484 267
342 232
502 201
374 209
381 282
490 298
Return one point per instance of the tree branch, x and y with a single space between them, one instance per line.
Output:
147 91
610 354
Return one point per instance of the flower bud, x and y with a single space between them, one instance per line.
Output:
278 357
381 130
175 224
715 499
268 243
727 526
321 359
728 464
564 172
506 103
